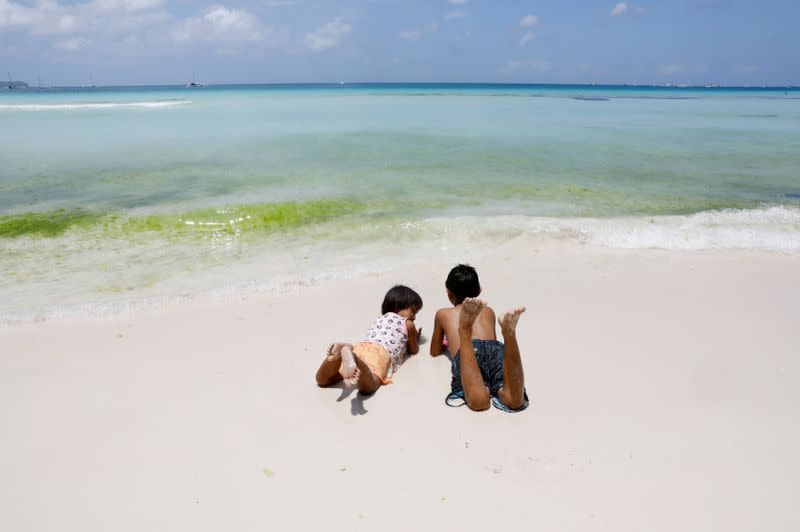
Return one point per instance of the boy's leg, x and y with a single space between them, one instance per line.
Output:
512 393
356 372
328 372
475 392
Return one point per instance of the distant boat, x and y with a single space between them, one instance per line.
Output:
13 85
194 84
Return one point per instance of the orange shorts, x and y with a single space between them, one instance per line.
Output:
375 357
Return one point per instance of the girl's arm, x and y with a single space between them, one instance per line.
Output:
437 341
413 337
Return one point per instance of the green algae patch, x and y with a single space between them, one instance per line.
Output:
245 218
46 224
255 218
288 215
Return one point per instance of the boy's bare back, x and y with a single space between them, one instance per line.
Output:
445 323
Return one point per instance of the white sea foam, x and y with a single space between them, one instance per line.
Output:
92 105
774 228
769 229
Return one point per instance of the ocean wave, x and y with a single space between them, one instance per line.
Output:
771 229
92 105
774 228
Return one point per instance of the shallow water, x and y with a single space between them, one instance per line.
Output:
112 196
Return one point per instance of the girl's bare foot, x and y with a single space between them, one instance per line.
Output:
508 321
348 370
335 351
470 309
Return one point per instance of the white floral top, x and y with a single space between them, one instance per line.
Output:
390 331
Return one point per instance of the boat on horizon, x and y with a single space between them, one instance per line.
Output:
193 83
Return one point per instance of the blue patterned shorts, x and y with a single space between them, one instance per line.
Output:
490 355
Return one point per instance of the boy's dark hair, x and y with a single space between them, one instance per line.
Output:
400 297
462 281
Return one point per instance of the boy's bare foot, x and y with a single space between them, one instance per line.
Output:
348 370
508 321
470 309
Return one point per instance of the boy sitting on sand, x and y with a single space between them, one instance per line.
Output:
485 371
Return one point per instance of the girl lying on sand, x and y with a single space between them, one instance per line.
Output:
372 361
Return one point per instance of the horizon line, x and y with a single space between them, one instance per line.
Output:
345 83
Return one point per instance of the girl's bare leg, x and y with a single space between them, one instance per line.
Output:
328 372
512 393
368 382
356 372
475 392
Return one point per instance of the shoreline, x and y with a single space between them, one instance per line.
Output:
127 274
532 246
662 390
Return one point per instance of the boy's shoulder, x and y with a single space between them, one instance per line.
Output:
450 313
447 311
446 317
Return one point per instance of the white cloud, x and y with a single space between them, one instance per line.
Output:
412 35
457 2
328 36
135 22
455 14
109 17
121 27
619 9
43 18
417 34
72 45
528 21
527 37
222 25
12 14
67 24
125 5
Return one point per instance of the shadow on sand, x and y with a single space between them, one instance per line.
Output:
357 407
356 403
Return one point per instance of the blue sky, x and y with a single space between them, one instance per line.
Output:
248 41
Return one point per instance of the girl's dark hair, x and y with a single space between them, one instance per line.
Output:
400 297
463 282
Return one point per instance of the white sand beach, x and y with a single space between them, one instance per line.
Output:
663 386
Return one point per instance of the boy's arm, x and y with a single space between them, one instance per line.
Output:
413 337
437 340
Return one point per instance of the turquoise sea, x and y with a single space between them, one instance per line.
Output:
111 197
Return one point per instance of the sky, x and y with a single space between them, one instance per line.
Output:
141 42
